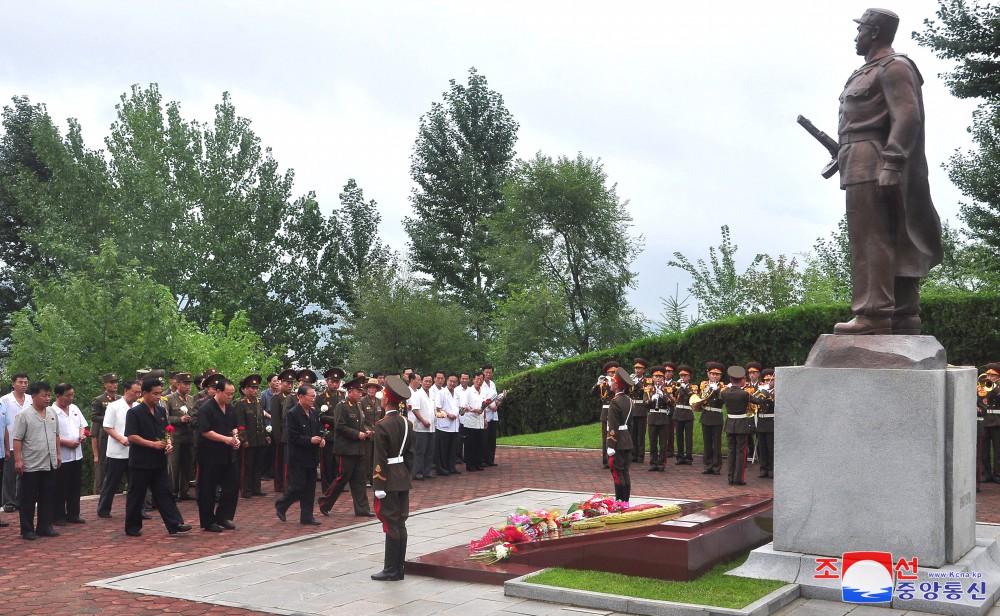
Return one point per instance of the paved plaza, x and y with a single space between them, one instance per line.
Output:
265 566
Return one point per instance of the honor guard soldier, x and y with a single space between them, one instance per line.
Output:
711 418
98 437
988 397
642 384
765 423
279 404
391 480
326 403
371 409
182 416
250 416
684 414
602 389
619 442
752 383
349 425
660 403
739 422
669 383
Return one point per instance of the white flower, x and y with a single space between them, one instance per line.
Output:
268 428
502 552
184 410
324 408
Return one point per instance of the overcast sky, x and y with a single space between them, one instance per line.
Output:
690 106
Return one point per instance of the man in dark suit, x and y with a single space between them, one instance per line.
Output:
217 444
304 445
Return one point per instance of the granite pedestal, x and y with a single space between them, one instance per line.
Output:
873 458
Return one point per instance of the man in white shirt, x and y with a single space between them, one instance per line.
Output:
421 410
473 425
492 419
464 382
10 406
69 477
449 404
114 426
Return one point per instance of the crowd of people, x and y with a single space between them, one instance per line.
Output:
163 434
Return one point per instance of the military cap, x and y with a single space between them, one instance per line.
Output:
754 366
737 372
211 371
610 367
623 377
287 375
213 380
306 375
669 366
396 390
767 372
199 380
684 369
156 374
182 377
251 380
714 366
142 373
879 17
335 374
992 369
657 370
110 377
372 382
638 361
357 383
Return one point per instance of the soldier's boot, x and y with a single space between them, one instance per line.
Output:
389 572
401 562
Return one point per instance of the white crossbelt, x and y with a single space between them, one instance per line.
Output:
765 416
684 406
664 411
712 408
623 427
605 406
399 459
396 460
744 416
992 412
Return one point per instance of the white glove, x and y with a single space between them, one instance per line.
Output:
379 494
611 451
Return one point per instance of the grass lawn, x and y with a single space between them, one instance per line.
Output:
714 588
585 437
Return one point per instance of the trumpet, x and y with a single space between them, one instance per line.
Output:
985 385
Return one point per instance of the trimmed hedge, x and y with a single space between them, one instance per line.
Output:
558 396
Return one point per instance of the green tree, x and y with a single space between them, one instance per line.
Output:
461 160
675 313
716 285
361 257
402 323
826 278
566 255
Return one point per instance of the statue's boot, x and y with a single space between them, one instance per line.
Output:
906 325
861 325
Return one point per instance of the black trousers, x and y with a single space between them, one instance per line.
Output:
737 456
446 444
765 451
473 447
350 472
604 436
116 469
658 441
712 441
637 428
279 467
69 482
992 441
37 487
490 446
210 477
684 433
156 481
301 488
253 467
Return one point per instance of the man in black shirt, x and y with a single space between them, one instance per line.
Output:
149 446
217 443
304 447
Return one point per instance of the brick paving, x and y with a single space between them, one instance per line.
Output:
48 575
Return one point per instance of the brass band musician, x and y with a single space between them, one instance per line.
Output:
660 403
684 414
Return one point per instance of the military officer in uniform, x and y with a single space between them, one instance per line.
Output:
98 437
660 402
280 403
643 384
351 433
739 422
892 227
250 416
391 480
619 442
989 402
371 409
182 416
602 389
326 403
669 383
765 424
711 418
684 414
752 383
